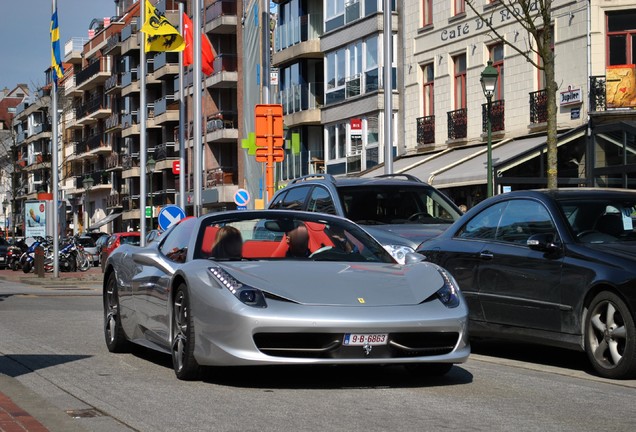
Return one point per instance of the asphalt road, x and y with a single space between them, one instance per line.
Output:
51 344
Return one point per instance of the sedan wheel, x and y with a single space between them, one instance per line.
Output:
113 331
610 337
185 366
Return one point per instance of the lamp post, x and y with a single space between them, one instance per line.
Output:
5 204
88 183
489 85
150 168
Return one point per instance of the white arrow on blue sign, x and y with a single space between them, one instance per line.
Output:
170 215
241 197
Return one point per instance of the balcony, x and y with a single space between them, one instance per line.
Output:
70 89
94 74
220 17
457 124
112 123
113 44
92 146
73 50
129 38
298 38
219 127
597 93
538 107
113 162
166 65
426 130
225 72
497 118
129 82
101 181
114 200
92 110
166 109
164 152
302 103
20 137
113 83
219 177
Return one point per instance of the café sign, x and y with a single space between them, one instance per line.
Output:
572 96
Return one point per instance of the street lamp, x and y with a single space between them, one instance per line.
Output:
5 204
489 85
150 168
88 183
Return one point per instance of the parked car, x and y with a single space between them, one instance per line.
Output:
99 244
88 243
556 267
117 239
346 301
4 246
400 211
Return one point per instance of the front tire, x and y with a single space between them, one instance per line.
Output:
114 334
610 337
185 366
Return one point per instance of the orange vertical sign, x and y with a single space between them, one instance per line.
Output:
268 121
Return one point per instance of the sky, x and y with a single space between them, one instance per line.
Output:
24 30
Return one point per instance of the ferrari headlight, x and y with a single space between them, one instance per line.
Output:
398 252
246 294
449 293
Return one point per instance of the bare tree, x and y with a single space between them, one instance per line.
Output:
535 17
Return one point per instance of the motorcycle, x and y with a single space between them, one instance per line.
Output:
14 252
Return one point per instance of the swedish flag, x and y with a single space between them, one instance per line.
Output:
56 60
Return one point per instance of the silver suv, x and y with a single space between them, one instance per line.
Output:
400 210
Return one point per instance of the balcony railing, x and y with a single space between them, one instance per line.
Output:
112 82
457 124
112 161
164 151
162 105
164 58
112 42
113 200
302 97
538 107
225 63
220 8
220 176
297 30
101 65
90 106
128 77
597 93
426 130
497 117
113 121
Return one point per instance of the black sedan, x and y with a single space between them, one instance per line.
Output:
557 267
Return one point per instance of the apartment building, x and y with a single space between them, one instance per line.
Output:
101 121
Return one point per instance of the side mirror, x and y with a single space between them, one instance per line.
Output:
151 258
413 257
542 243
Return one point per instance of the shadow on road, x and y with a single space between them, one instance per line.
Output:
14 365
315 376
531 353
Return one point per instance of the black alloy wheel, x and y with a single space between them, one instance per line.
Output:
183 361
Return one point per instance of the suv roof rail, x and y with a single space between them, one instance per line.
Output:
310 177
405 176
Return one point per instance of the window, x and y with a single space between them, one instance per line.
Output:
336 140
427 12
175 245
497 57
484 225
428 89
371 67
459 63
294 199
459 6
336 61
522 219
320 201
621 41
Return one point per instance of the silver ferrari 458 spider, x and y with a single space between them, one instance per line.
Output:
281 287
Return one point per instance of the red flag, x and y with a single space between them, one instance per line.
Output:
207 56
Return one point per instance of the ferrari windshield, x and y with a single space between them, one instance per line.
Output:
286 237
601 221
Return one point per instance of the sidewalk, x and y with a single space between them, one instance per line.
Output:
22 410
93 276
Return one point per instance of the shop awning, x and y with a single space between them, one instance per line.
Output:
472 169
109 218
444 160
402 164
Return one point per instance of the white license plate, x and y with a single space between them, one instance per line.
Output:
359 339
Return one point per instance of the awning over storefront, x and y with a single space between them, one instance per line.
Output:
472 169
402 164
444 160
109 218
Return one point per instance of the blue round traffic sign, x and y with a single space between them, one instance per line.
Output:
241 197
170 215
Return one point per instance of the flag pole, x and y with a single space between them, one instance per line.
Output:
182 120
54 170
196 95
142 137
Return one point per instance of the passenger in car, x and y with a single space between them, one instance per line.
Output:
298 242
228 243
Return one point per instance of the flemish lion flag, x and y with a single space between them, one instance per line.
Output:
160 34
56 59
